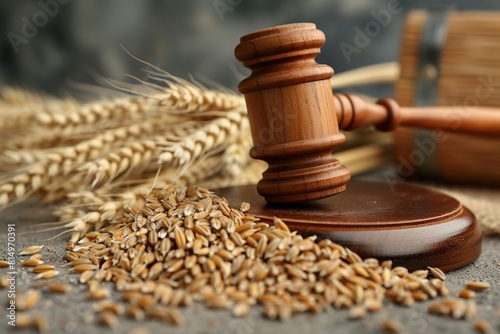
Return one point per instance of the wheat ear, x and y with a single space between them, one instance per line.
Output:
64 162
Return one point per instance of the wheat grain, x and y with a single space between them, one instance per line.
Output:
97 293
4 281
80 268
438 273
31 263
31 250
36 256
58 287
390 326
470 310
109 306
42 268
175 317
108 319
138 330
482 326
466 294
41 323
135 312
477 286
23 320
357 312
28 300
47 274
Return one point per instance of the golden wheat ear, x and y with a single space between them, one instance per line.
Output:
110 149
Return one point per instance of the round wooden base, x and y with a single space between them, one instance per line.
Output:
411 225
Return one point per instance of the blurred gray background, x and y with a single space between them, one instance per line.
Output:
49 44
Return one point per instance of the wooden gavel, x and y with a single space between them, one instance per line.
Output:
295 118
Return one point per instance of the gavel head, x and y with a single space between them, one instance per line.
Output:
291 111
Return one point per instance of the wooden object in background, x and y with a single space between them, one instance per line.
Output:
468 73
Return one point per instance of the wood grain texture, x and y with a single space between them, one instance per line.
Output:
353 112
413 226
291 112
469 75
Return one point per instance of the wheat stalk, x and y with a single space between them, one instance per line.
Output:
15 96
178 97
101 158
21 107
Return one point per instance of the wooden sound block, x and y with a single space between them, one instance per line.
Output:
413 226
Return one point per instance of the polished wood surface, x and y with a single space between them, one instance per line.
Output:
413 226
353 112
290 108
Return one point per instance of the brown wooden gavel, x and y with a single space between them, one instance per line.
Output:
295 117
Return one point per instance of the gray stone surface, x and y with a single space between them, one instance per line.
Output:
72 313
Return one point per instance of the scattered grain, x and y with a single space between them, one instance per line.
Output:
438 273
4 281
471 310
477 286
175 317
139 330
97 294
31 263
58 287
42 268
36 257
84 267
47 274
244 207
390 326
70 246
466 294
482 326
109 306
357 312
27 300
135 312
86 276
41 323
23 320
241 309
31 250
108 319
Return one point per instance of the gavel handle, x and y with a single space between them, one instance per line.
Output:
354 112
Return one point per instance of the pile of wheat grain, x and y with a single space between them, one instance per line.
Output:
187 244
